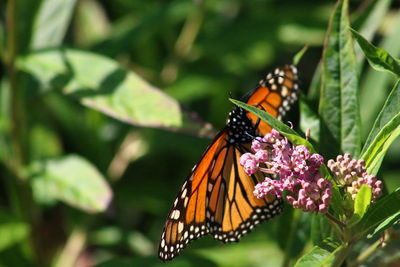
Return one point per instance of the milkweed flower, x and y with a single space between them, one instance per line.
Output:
352 174
295 169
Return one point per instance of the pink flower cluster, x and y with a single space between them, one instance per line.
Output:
352 174
295 168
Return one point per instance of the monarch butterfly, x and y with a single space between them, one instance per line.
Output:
217 196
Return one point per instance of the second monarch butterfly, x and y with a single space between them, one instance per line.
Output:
217 197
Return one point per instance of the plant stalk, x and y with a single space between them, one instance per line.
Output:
19 190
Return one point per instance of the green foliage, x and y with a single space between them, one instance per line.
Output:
361 204
339 107
71 179
96 100
378 58
315 257
100 83
12 231
384 132
379 212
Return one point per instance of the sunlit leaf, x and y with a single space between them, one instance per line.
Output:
385 130
100 83
73 180
394 219
361 203
299 55
12 231
51 23
318 256
91 23
376 84
378 58
378 213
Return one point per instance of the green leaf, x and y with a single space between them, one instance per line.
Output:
385 224
273 122
72 179
371 99
378 58
389 110
339 108
371 20
291 235
318 256
320 229
299 55
315 85
385 130
378 213
12 233
51 23
361 204
309 120
5 123
100 83
90 23
12 230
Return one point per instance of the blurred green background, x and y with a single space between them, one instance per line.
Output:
199 53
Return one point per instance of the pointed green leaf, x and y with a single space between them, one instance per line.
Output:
361 203
394 219
272 121
380 211
371 19
100 83
51 23
299 55
322 255
385 130
378 58
389 110
339 108
375 85
73 180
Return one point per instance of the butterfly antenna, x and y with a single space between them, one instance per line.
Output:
252 136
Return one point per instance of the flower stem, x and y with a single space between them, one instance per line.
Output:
335 220
184 44
73 248
20 192
342 255
15 92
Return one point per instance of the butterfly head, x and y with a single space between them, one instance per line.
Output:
241 129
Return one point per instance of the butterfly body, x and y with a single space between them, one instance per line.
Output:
240 128
217 197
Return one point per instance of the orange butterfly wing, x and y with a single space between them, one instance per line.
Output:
274 94
217 197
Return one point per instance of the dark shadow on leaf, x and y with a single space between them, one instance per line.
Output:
109 84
